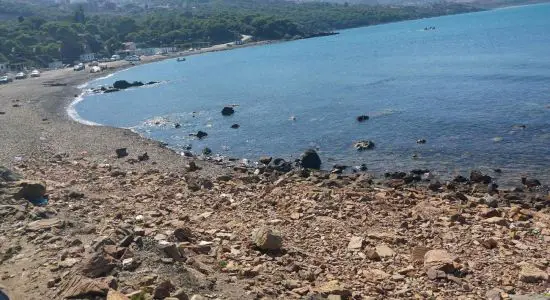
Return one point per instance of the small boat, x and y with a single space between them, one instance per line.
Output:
180 59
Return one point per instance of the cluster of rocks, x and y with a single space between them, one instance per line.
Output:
265 234
121 85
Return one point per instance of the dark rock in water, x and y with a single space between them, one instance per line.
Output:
421 141
338 169
111 90
228 110
530 182
363 167
310 160
478 177
206 151
265 160
497 171
364 145
8 175
177 125
460 179
152 82
200 134
123 84
362 118
187 154
143 157
121 152
412 177
2 112
395 175
235 126
280 165
420 171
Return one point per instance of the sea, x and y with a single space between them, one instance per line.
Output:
475 87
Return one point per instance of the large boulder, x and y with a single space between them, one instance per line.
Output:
310 160
31 190
228 110
267 239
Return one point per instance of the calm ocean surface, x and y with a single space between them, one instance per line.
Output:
463 87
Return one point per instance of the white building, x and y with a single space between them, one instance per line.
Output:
87 57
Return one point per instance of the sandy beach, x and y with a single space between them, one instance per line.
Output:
165 225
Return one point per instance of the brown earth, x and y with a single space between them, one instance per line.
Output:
157 228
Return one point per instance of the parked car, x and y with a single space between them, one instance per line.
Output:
115 57
5 79
35 73
79 67
20 75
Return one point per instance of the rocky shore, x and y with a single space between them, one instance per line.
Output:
153 224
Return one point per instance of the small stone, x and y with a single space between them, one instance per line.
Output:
494 294
97 265
170 250
356 243
418 253
496 220
115 295
197 297
334 288
372 254
129 264
374 275
489 243
126 241
267 239
531 274
163 290
439 260
434 274
384 251
183 234
180 294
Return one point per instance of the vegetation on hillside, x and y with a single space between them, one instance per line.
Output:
38 38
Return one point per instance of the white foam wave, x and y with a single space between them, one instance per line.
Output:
73 114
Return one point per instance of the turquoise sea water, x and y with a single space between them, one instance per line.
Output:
463 87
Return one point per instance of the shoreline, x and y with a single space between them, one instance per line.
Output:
510 181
